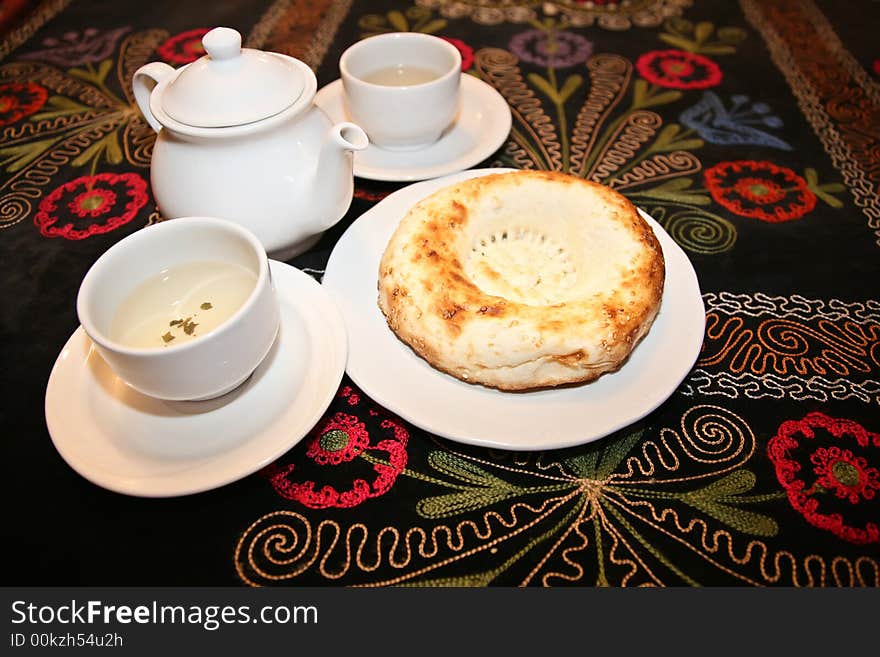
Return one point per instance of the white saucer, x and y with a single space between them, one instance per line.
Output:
130 443
393 375
482 126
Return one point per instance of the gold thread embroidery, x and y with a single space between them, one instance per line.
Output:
39 17
625 488
261 30
500 68
609 80
864 191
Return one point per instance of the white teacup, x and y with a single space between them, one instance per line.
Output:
183 310
402 88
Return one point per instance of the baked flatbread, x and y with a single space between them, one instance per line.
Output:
522 280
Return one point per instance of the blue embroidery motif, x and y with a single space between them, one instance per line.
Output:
719 125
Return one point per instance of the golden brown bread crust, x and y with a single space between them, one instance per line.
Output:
522 280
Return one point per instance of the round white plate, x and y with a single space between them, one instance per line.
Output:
482 126
393 375
130 443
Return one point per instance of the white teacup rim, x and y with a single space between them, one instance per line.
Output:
351 51
148 233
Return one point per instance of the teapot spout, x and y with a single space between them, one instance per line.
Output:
335 170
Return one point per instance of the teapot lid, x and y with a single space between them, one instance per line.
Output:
231 85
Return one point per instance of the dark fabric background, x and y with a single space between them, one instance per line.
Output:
60 529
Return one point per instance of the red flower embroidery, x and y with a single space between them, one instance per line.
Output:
678 69
350 396
467 53
338 441
92 203
847 475
92 197
341 439
760 190
20 99
838 470
183 48
877 66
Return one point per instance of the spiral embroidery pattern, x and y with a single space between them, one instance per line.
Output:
604 512
501 69
761 346
609 77
638 129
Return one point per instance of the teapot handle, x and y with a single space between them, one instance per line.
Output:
145 78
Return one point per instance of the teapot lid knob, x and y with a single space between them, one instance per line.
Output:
222 43
232 85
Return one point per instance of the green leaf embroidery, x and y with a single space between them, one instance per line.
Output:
108 145
434 26
583 465
113 152
662 558
16 158
640 92
93 77
571 85
678 42
103 69
679 25
481 489
703 31
616 449
82 74
58 106
398 21
666 140
642 96
372 24
717 49
93 151
716 498
462 469
473 580
544 86
486 577
452 504
731 34
832 201
675 185
823 191
679 30
674 191
664 98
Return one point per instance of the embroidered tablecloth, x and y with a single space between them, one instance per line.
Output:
750 130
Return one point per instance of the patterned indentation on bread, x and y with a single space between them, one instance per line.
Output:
522 280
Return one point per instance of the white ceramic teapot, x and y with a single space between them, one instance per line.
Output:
240 138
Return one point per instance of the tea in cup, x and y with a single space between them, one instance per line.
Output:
183 310
401 88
